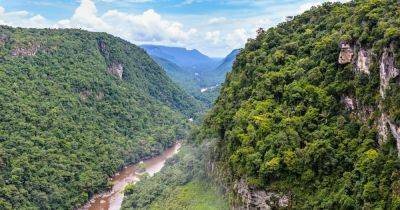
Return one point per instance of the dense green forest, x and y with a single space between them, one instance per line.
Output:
75 108
293 120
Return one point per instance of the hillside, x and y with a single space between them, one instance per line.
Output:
308 118
76 107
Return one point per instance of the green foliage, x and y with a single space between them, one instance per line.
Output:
196 195
67 125
181 184
281 120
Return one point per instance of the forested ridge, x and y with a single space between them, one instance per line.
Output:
75 108
308 128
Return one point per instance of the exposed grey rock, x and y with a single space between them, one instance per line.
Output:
387 71
102 46
3 38
382 128
31 50
396 133
349 103
116 69
363 61
259 199
346 53
383 124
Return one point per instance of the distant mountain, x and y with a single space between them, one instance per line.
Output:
227 63
225 66
189 60
195 72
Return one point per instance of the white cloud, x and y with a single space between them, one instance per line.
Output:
86 17
146 27
218 33
22 19
237 38
217 20
214 36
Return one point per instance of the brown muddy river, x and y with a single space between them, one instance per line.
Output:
112 200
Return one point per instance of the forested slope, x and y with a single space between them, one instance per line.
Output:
76 107
308 118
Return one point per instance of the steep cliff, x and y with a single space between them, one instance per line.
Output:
308 118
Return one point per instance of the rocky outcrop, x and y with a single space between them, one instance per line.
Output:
349 103
116 69
395 130
253 198
28 51
102 47
3 39
363 61
346 53
387 71
382 128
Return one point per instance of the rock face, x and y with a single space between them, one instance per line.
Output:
396 133
387 71
116 69
3 39
31 50
349 103
259 199
102 47
382 128
363 61
346 53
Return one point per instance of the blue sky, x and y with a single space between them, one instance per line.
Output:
215 27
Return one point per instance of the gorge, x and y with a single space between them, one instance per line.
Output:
304 116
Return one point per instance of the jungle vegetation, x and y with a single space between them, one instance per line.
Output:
280 119
67 123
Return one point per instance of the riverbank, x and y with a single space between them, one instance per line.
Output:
112 200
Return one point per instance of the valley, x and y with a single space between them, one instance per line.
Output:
129 174
195 72
304 115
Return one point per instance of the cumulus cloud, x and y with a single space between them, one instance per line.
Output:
214 36
218 34
237 38
228 40
22 19
146 27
